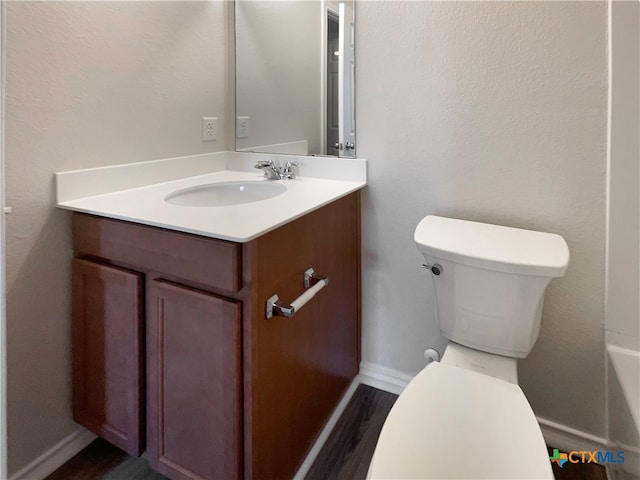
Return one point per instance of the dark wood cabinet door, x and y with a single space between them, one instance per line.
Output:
194 383
107 353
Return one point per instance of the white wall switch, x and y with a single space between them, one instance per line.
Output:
209 128
242 127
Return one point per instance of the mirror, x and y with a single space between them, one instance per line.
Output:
295 77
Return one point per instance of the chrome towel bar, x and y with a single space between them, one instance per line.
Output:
312 283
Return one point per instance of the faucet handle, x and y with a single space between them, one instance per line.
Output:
288 169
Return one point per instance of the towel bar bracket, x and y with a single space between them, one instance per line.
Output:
273 306
311 278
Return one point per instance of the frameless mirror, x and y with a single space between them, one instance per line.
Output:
295 77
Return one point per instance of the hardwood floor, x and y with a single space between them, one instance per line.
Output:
348 450
345 455
101 460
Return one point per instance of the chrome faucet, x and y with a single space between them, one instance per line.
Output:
273 171
270 169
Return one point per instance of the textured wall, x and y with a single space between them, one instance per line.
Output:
623 315
623 288
489 111
278 71
87 84
495 112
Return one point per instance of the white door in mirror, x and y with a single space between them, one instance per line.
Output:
346 70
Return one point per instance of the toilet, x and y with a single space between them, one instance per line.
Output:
465 417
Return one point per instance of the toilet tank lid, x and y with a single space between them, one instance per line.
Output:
493 247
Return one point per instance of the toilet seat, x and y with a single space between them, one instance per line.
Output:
453 423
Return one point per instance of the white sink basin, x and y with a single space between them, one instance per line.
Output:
225 193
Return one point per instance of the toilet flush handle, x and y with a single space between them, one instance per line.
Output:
436 268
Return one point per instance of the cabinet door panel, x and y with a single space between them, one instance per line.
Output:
194 379
107 353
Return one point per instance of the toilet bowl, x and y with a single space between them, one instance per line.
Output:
452 422
466 417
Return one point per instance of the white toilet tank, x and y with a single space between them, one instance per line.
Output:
490 289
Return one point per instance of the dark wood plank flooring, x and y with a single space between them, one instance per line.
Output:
101 460
345 455
348 450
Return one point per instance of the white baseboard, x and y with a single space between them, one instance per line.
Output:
555 434
56 456
630 469
326 431
64 450
383 378
568 438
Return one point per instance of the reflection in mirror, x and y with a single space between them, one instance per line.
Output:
295 77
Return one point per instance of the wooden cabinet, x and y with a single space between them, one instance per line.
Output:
229 393
193 378
107 353
297 368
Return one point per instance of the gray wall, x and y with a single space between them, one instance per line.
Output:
623 316
278 72
490 111
88 84
495 112
623 289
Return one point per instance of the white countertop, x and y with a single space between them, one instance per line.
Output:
146 204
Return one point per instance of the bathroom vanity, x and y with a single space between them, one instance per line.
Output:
174 358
